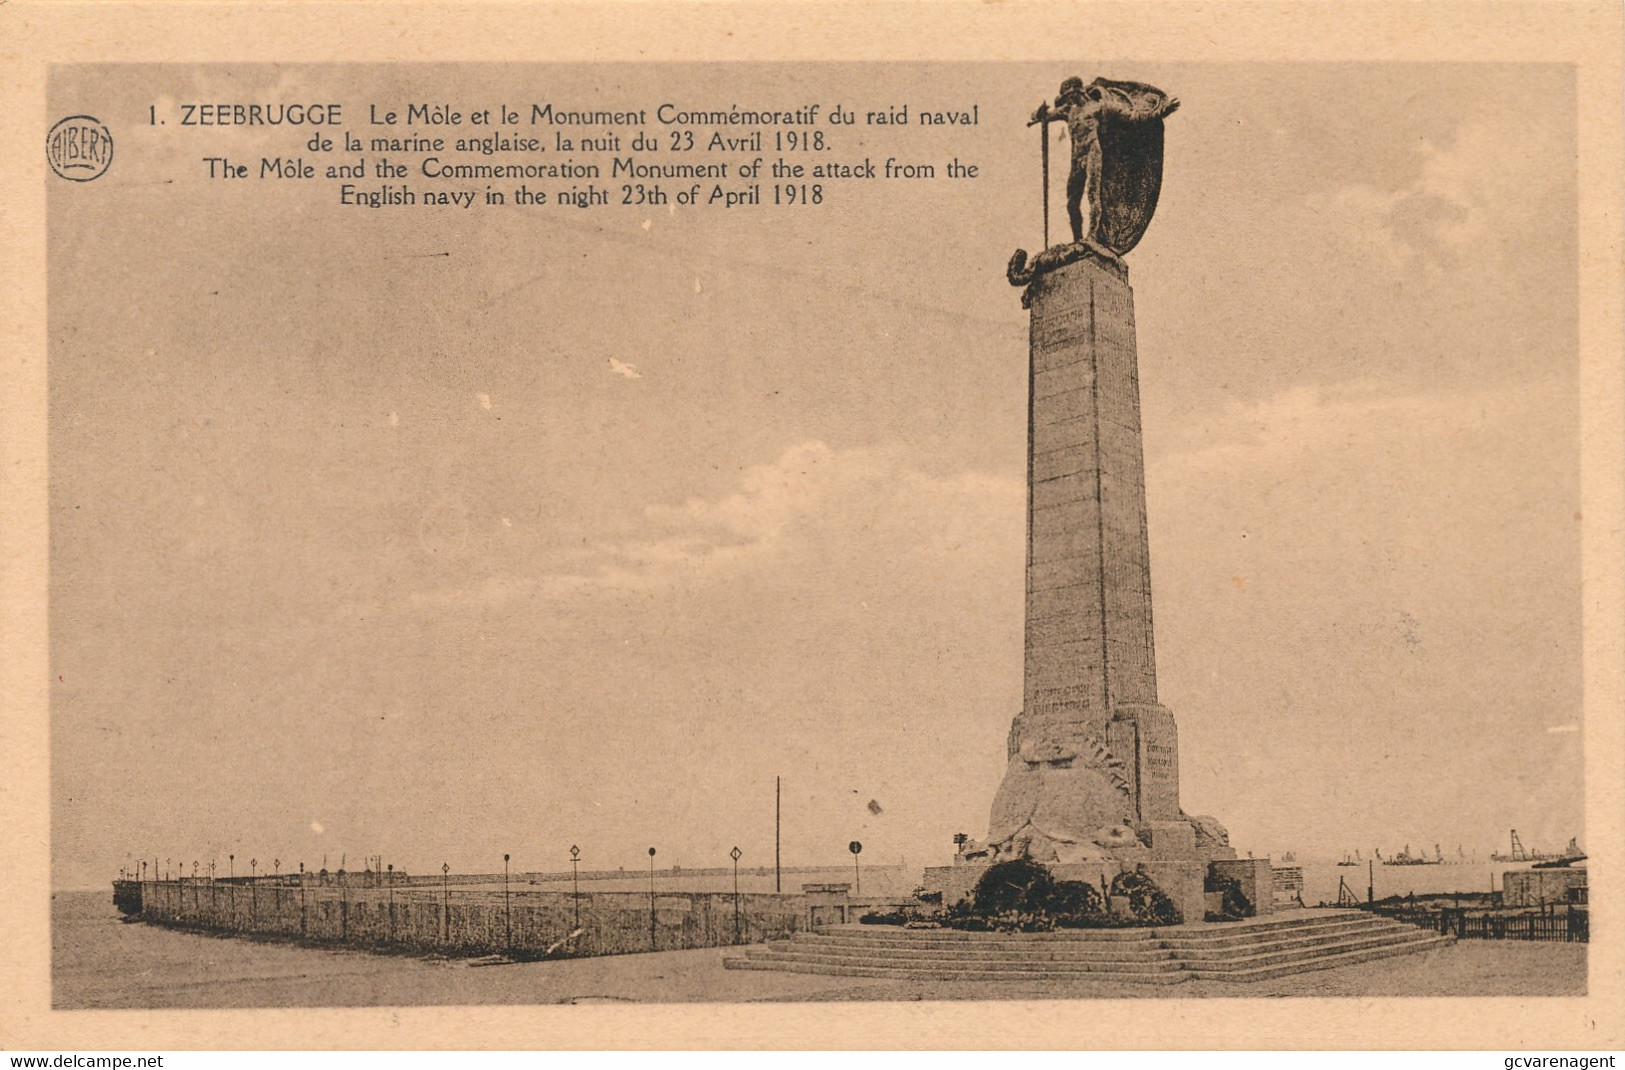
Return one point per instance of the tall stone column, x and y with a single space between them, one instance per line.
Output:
1089 644
1093 759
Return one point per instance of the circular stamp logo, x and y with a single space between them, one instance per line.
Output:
79 148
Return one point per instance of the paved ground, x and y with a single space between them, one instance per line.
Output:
100 962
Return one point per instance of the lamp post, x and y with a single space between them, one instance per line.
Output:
507 909
652 899
856 848
575 881
734 854
231 866
253 890
392 902
445 900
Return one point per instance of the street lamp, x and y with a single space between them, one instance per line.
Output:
445 902
734 854
575 881
652 899
507 910
856 848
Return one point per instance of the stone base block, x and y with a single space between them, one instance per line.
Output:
1254 876
954 882
1180 880
1172 841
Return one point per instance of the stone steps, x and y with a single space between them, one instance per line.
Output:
945 973
1227 945
1242 951
1248 929
1013 963
957 938
1269 955
1323 962
1036 953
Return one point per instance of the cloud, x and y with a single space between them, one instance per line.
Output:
861 508
810 496
1308 421
1469 197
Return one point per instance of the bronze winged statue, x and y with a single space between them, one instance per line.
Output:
1116 133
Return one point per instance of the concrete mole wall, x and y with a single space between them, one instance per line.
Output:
423 919
1538 887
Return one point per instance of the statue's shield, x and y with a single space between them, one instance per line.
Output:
1130 179
1131 158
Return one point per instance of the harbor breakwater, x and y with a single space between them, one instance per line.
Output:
523 922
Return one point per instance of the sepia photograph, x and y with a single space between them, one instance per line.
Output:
818 532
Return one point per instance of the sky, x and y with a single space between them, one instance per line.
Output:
443 534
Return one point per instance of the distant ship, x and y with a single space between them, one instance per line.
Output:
1289 857
1354 861
1570 855
1518 854
1405 858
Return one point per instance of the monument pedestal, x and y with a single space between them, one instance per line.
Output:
1181 880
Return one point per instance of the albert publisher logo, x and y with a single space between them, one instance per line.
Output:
79 148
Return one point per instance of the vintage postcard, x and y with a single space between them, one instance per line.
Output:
582 516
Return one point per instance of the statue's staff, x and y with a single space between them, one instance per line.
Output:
1041 119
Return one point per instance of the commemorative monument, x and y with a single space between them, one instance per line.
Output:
1091 787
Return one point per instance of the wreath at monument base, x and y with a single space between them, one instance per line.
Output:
1023 896
1233 903
1148 904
